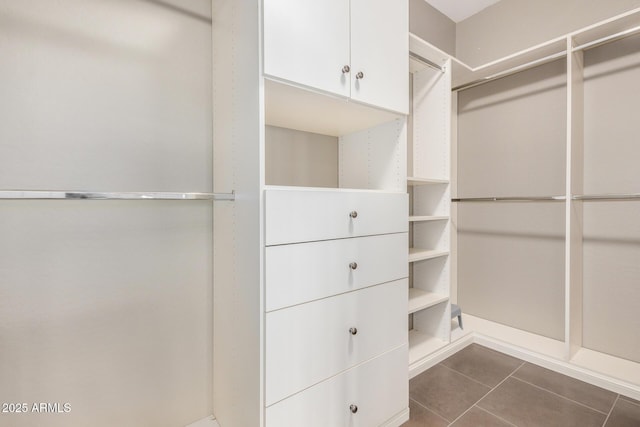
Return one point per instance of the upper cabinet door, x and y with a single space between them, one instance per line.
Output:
380 51
307 42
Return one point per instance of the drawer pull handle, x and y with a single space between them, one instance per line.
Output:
353 331
353 409
346 69
353 265
353 214
360 75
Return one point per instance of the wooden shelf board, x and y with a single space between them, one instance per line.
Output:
417 254
412 180
293 107
420 300
422 345
420 218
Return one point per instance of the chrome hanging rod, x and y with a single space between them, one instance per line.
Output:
426 62
613 196
94 195
510 199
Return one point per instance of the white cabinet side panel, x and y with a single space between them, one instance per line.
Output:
431 124
238 253
375 158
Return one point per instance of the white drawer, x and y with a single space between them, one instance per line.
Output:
308 343
307 215
304 272
379 389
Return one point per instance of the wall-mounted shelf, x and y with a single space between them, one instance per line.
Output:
417 254
413 181
420 300
307 110
423 218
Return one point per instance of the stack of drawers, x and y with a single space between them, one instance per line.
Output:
336 303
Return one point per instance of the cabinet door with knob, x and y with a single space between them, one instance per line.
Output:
379 49
352 48
307 42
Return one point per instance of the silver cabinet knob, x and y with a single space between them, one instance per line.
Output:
353 408
353 331
360 75
346 69
353 214
353 265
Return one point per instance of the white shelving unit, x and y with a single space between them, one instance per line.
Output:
429 189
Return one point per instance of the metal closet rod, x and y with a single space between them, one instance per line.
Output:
608 196
97 195
511 199
426 62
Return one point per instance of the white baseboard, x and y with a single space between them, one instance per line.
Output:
566 368
398 420
210 421
438 356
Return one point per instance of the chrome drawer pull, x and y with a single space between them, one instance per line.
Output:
353 214
346 69
353 265
353 331
353 409
360 75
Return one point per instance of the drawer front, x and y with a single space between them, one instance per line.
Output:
379 388
309 343
304 272
308 215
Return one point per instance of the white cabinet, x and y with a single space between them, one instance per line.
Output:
307 42
376 389
311 342
310 271
379 48
306 215
351 48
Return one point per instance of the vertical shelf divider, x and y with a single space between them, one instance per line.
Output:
574 185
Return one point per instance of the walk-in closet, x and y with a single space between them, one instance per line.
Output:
337 213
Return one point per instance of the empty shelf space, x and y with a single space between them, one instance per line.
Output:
417 254
412 180
420 218
422 345
419 299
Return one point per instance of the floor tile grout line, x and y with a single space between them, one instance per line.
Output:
486 394
466 376
430 410
610 411
627 399
559 395
497 416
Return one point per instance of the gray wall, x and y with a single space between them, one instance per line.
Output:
512 25
511 142
106 305
431 25
612 229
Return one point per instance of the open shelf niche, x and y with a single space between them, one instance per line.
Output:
428 185
319 140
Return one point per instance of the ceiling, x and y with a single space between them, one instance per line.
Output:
459 10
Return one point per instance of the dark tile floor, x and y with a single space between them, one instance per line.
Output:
479 387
